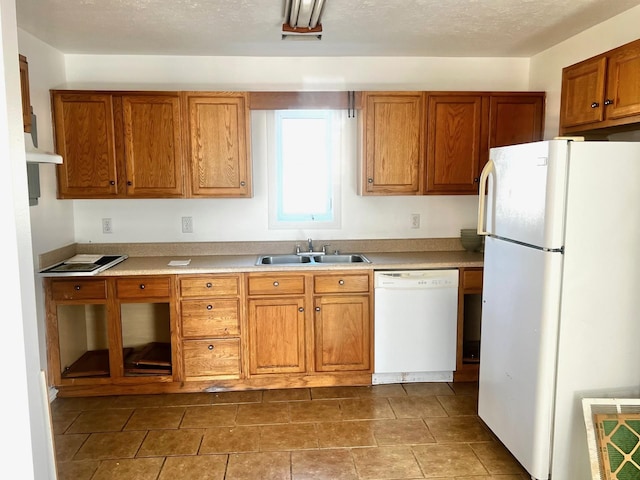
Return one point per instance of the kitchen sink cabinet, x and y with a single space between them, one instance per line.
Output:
210 315
219 157
109 333
602 91
392 143
277 323
469 322
285 337
342 322
436 143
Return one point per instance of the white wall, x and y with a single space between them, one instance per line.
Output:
546 67
26 444
246 219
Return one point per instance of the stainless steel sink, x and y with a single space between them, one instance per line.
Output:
284 259
354 258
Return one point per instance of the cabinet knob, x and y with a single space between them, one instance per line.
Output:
142 286
275 284
76 287
301 309
112 182
595 105
243 183
209 285
129 182
317 309
209 307
476 180
370 180
210 347
340 282
608 101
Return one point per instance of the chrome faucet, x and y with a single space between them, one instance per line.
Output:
310 244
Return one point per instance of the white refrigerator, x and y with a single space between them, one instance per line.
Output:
561 295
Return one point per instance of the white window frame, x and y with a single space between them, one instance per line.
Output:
337 120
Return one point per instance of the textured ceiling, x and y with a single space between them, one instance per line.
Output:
448 28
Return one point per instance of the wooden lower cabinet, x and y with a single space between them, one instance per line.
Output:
289 339
210 313
189 333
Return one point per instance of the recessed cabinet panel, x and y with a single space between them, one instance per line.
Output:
212 358
276 335
153 145
218 145
393 143
85 139
454 142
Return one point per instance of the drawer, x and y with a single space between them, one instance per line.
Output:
276 285
211 357
210 318
472 279
79 289
143 287
349 283
208 286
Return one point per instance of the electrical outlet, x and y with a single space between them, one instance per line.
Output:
107 226
187 224
415 220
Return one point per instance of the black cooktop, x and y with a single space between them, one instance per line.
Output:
83 268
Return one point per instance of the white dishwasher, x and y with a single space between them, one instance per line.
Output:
415 321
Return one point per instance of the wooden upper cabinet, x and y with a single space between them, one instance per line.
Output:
515 119
623 82
24 90
218 145
602 91
455 140
583 93
153 145
393 143
84 136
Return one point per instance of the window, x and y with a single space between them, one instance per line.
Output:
304 169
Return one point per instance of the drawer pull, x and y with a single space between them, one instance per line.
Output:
210 347
209 307
209 285
301 309
77 287
275 284
317 309
142 286
340 282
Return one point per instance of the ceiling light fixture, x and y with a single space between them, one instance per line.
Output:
302 20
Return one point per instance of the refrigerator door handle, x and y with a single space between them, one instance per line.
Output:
488 169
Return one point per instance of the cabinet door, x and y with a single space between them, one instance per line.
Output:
582 99
84 138
153 145
393 143
276 335
219 159
623 84
24 91
342 333
454 143
515 119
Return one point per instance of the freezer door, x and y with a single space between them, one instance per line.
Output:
526 193
520 311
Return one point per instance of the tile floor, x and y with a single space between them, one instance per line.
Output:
400 431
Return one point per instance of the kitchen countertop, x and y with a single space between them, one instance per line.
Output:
158 265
